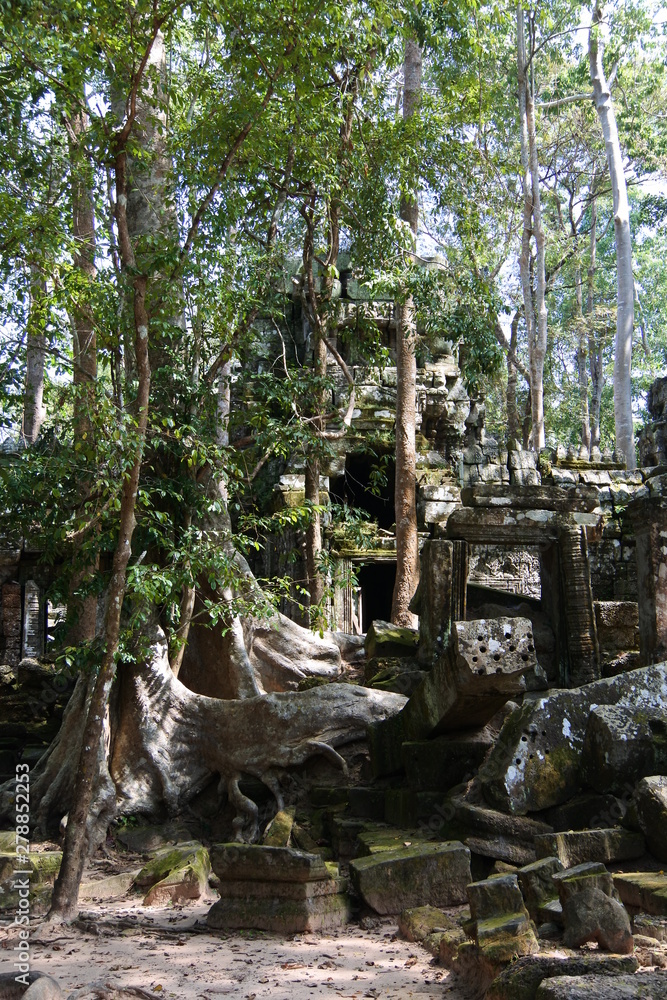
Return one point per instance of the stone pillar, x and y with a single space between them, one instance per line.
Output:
649 517
583 652
10 624
440 597
33 620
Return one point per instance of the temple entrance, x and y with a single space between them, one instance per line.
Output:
376 582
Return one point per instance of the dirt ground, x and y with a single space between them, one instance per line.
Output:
166 951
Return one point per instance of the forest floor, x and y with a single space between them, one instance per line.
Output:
167 951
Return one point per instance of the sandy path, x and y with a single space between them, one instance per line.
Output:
165 951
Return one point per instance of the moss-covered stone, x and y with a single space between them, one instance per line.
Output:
176 873
384 639
576 847
42 865
417 923
279 915
430 874
645 891
521 980
277 833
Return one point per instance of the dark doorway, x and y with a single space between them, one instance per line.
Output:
377 587
362 487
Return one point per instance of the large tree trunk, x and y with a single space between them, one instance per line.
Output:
405 506
625 286
166 742
33 398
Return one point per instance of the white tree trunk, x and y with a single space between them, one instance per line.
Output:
625 287
33 399
407 541
534 304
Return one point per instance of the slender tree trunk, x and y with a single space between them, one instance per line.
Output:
405 506
594 346
33 398
83 611
625 286
510 395
66 890
532 226
582 370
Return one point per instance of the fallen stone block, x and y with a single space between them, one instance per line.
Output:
42 865
384 639
379 839
276 889
653 927
279 830
538 889
494 834
256 863
449 944
480 671
428 925
521 979
418 922
442 763
650 799
646 891
430 874
405 807
175 874
536 761
644 985
279 915
592 915
619 747
591 875
110 887
502 924
587 811
579 846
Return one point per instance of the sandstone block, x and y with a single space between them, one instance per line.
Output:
254 862
280 915
537 885
384 639
536 761
576 847
651 803
521 980
592 915
647 985
442 763
618 747
592 875
645 891
430 874
502 923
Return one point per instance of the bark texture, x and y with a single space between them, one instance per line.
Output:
405 506
82 611
33 398
166 742
625 286
535 309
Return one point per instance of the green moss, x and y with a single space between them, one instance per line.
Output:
174 860
552 779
